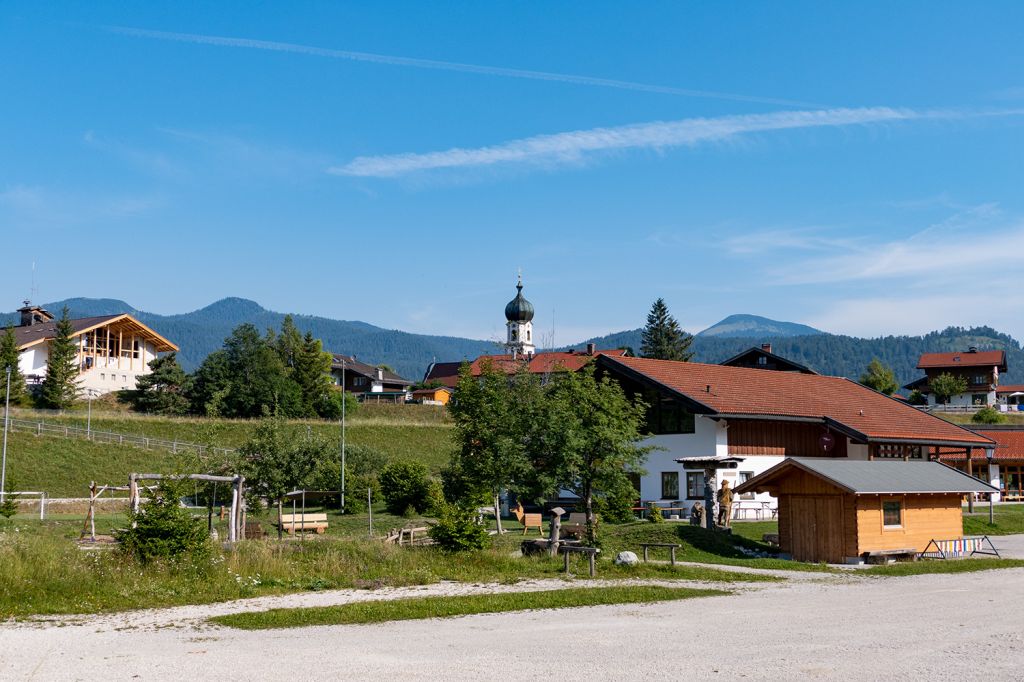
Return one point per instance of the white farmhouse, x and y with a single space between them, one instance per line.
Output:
113 350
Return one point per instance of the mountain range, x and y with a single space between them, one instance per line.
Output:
201 332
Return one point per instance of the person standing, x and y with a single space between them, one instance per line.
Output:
724 499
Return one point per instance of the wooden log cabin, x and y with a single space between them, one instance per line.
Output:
845 511
765 416
113 350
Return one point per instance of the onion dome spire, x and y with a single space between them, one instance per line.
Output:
519 309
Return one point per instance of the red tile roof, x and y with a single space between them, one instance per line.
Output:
981 358
1010 388
755 393
1009 446
539 363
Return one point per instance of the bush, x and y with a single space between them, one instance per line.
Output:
616 505
9 507
917 398
654 513
456 530
405 484
988 415
163 529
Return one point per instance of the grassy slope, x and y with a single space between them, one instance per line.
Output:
447 607
64 467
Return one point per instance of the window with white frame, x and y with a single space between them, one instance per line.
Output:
744 477
892 513
694 485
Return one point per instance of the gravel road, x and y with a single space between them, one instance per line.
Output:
968 626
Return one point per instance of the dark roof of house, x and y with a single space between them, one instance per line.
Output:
748 358
30 335
859 412
353 365
980 358
875 477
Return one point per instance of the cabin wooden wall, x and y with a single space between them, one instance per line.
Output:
925 517
817 521
756 437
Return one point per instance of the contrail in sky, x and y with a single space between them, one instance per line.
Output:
444 66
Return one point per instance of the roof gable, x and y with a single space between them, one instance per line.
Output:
752 393
31 335
749 358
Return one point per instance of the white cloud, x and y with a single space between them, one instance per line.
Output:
392 60
577 146
954 251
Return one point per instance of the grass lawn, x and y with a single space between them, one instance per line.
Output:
63 467
448 607
1009 520
905 568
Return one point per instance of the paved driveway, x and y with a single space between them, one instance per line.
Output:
1009 546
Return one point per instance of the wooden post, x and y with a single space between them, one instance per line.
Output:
241 508
592 556
554 538
232 519
970 472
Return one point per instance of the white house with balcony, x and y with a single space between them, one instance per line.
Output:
113 350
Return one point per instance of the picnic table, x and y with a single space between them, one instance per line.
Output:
740 509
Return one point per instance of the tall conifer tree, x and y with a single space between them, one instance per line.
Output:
9 358
662 339
60 387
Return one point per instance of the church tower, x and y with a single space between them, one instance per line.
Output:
519 320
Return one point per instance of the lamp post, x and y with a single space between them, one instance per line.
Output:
7 421
341 493
990 454
88 413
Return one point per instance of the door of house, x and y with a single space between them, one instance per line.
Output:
816 523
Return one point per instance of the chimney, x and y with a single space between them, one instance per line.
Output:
33 314
380 374
591 348
766 347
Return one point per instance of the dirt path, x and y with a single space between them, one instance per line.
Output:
966 626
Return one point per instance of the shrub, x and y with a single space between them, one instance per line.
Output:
616 505
405 484
456 530
9 507
654 513
163 529
988 415
917 398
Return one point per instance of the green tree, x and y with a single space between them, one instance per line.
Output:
947 385
9 356
880 377
405 485
210 385
163 390
311 372
60 387
259 381
163 529
598 436
662 339
289 342
492 420
273 464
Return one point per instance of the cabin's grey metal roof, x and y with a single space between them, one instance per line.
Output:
880 476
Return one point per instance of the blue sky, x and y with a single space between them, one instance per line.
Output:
854 168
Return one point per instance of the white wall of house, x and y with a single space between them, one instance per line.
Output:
103 375
710 438
964 399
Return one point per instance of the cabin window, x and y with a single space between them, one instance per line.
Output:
670 485
694 485
762 360
359 381
892 513
744 477
980 379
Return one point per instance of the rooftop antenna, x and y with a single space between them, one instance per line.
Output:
33 293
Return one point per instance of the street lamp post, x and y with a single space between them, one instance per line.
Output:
343 401
990 456
7 422
88 418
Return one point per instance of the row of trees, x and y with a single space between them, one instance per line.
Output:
577 432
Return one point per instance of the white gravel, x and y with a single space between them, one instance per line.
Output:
968 626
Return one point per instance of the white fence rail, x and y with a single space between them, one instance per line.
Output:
41 428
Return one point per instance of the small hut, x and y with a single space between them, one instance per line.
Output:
842 510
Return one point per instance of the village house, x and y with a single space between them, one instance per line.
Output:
981 369
113 350
438 395
699 410
763 358
369 382
1001 464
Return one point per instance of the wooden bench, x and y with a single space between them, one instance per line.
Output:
591 553
882 555
672 547
529 520
302 522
